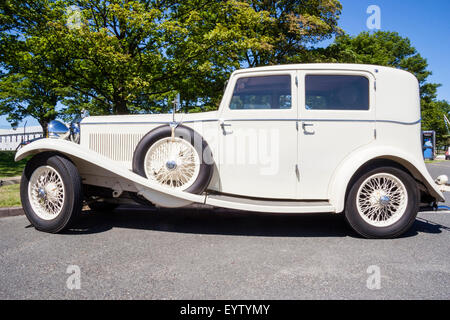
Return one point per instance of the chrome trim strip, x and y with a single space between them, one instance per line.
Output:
235 120
129 122
204 120
330 120
400 122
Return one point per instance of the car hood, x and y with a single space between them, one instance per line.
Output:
151 118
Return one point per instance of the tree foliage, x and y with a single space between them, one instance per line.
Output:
122 56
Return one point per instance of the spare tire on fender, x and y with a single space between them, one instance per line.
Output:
183 162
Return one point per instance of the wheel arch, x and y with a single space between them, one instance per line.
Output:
346 174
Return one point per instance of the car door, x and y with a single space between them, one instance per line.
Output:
258 137
337 116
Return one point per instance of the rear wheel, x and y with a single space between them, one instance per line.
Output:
382 203
50 191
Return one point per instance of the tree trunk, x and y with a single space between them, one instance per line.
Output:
44 125
119 103
120 107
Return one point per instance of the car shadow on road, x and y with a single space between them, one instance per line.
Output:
426 226
228 222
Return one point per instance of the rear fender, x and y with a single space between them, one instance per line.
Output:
346 170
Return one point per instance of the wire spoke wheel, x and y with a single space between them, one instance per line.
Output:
172 162
46 192
382 199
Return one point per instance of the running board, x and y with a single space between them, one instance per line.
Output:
272 206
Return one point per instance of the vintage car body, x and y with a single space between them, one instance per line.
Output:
308 157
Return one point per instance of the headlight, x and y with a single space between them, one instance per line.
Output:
56 129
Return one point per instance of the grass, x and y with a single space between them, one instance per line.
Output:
434 161
10 196
9 168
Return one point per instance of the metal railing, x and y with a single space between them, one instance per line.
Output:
10 141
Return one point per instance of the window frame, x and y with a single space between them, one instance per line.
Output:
336 113
232 85
340 75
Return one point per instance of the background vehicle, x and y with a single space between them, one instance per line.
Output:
266 149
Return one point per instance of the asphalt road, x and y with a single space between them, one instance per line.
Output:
204 254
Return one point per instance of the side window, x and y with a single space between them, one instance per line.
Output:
267 92
336 92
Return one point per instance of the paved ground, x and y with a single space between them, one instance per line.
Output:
221 255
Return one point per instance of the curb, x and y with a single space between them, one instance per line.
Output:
11 212
9 181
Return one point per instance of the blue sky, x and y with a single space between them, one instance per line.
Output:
425 23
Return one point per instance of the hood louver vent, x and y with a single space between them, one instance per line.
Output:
116 146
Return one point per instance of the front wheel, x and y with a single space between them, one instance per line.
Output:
382 203
50 191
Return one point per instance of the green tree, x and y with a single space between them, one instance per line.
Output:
21 96
433 119
129 56
24 89
124 56
295 26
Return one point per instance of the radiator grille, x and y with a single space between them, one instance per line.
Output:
116 146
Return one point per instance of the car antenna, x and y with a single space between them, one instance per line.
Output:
175 103
24 127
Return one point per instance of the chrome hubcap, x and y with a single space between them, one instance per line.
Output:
384 201
171 165
41 194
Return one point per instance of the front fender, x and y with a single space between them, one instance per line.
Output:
345 171
157 194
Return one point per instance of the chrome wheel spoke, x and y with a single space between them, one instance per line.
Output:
46 192
382 199
172 162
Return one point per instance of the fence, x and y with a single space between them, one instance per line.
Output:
10 141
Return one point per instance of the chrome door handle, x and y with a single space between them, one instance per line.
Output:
223 125
305 130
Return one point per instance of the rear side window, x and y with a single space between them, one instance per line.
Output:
268 92
336 92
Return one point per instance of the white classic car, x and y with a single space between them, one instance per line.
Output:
292 138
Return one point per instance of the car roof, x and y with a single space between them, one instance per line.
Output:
322 66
